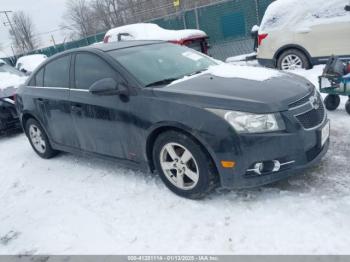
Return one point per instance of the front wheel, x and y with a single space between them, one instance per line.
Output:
38 139
332 102
184 166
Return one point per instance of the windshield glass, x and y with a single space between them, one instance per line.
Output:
4 68
159 64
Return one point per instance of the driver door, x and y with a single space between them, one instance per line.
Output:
101 122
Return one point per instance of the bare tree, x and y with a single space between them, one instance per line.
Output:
22 33
80 18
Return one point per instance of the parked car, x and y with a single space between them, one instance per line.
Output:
195 39
27 64
10 78
294 35
167 108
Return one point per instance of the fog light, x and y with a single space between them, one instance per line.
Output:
259 167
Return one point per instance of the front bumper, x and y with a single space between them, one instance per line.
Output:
301 147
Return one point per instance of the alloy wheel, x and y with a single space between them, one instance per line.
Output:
291 62
179 166
37 139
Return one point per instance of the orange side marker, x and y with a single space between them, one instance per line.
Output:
228 164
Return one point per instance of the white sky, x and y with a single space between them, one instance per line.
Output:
46 15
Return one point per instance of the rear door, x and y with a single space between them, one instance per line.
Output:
52 98
101 122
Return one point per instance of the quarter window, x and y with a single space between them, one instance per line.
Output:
57 73
39 78
89 69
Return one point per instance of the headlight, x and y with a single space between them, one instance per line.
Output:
244 122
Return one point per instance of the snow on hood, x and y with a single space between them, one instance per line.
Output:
148 31
8 82
236 71
30 62
300 14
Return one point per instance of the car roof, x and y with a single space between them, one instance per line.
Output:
105 47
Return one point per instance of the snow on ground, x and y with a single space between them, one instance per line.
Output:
81 205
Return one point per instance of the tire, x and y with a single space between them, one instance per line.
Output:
332 102
37 134
298 59
198 162
347 106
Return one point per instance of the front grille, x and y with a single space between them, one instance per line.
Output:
302 101
313 117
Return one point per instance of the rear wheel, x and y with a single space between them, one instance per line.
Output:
332 102
38 139
183 165
292 59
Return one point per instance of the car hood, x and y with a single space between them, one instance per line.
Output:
207 90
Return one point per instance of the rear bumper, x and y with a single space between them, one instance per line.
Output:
301 149
271 63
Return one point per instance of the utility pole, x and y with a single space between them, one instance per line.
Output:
10 23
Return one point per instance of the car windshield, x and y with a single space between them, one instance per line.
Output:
4 68
160 64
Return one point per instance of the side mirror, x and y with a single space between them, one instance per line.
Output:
108 87
347 8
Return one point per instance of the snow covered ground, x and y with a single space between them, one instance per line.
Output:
82 205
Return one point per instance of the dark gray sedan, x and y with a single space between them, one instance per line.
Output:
166 108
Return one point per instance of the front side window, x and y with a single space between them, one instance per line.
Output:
57 72
90 68
158 62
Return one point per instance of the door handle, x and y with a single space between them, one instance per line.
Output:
76 108
40 100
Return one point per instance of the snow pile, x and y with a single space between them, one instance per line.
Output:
30 62
245 72
148 31
239 58
296 14
225 70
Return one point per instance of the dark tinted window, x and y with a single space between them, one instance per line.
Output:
57 73
89 69
39 78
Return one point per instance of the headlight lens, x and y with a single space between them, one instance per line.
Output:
244 122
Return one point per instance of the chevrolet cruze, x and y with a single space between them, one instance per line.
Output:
171 110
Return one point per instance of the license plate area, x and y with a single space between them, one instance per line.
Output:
324 134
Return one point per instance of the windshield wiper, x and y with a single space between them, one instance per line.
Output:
162 82
197 72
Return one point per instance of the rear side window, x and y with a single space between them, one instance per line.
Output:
89 69
57 72
39 78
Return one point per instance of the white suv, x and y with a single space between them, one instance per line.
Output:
299 33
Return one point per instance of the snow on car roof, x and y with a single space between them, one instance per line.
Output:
30 62
293 14
149 31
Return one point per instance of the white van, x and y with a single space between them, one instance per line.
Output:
302 33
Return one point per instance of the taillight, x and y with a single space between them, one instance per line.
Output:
106 39
261 37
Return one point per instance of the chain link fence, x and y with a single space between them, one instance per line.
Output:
228 23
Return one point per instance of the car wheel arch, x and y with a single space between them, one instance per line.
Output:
282 49
26 116
159 129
